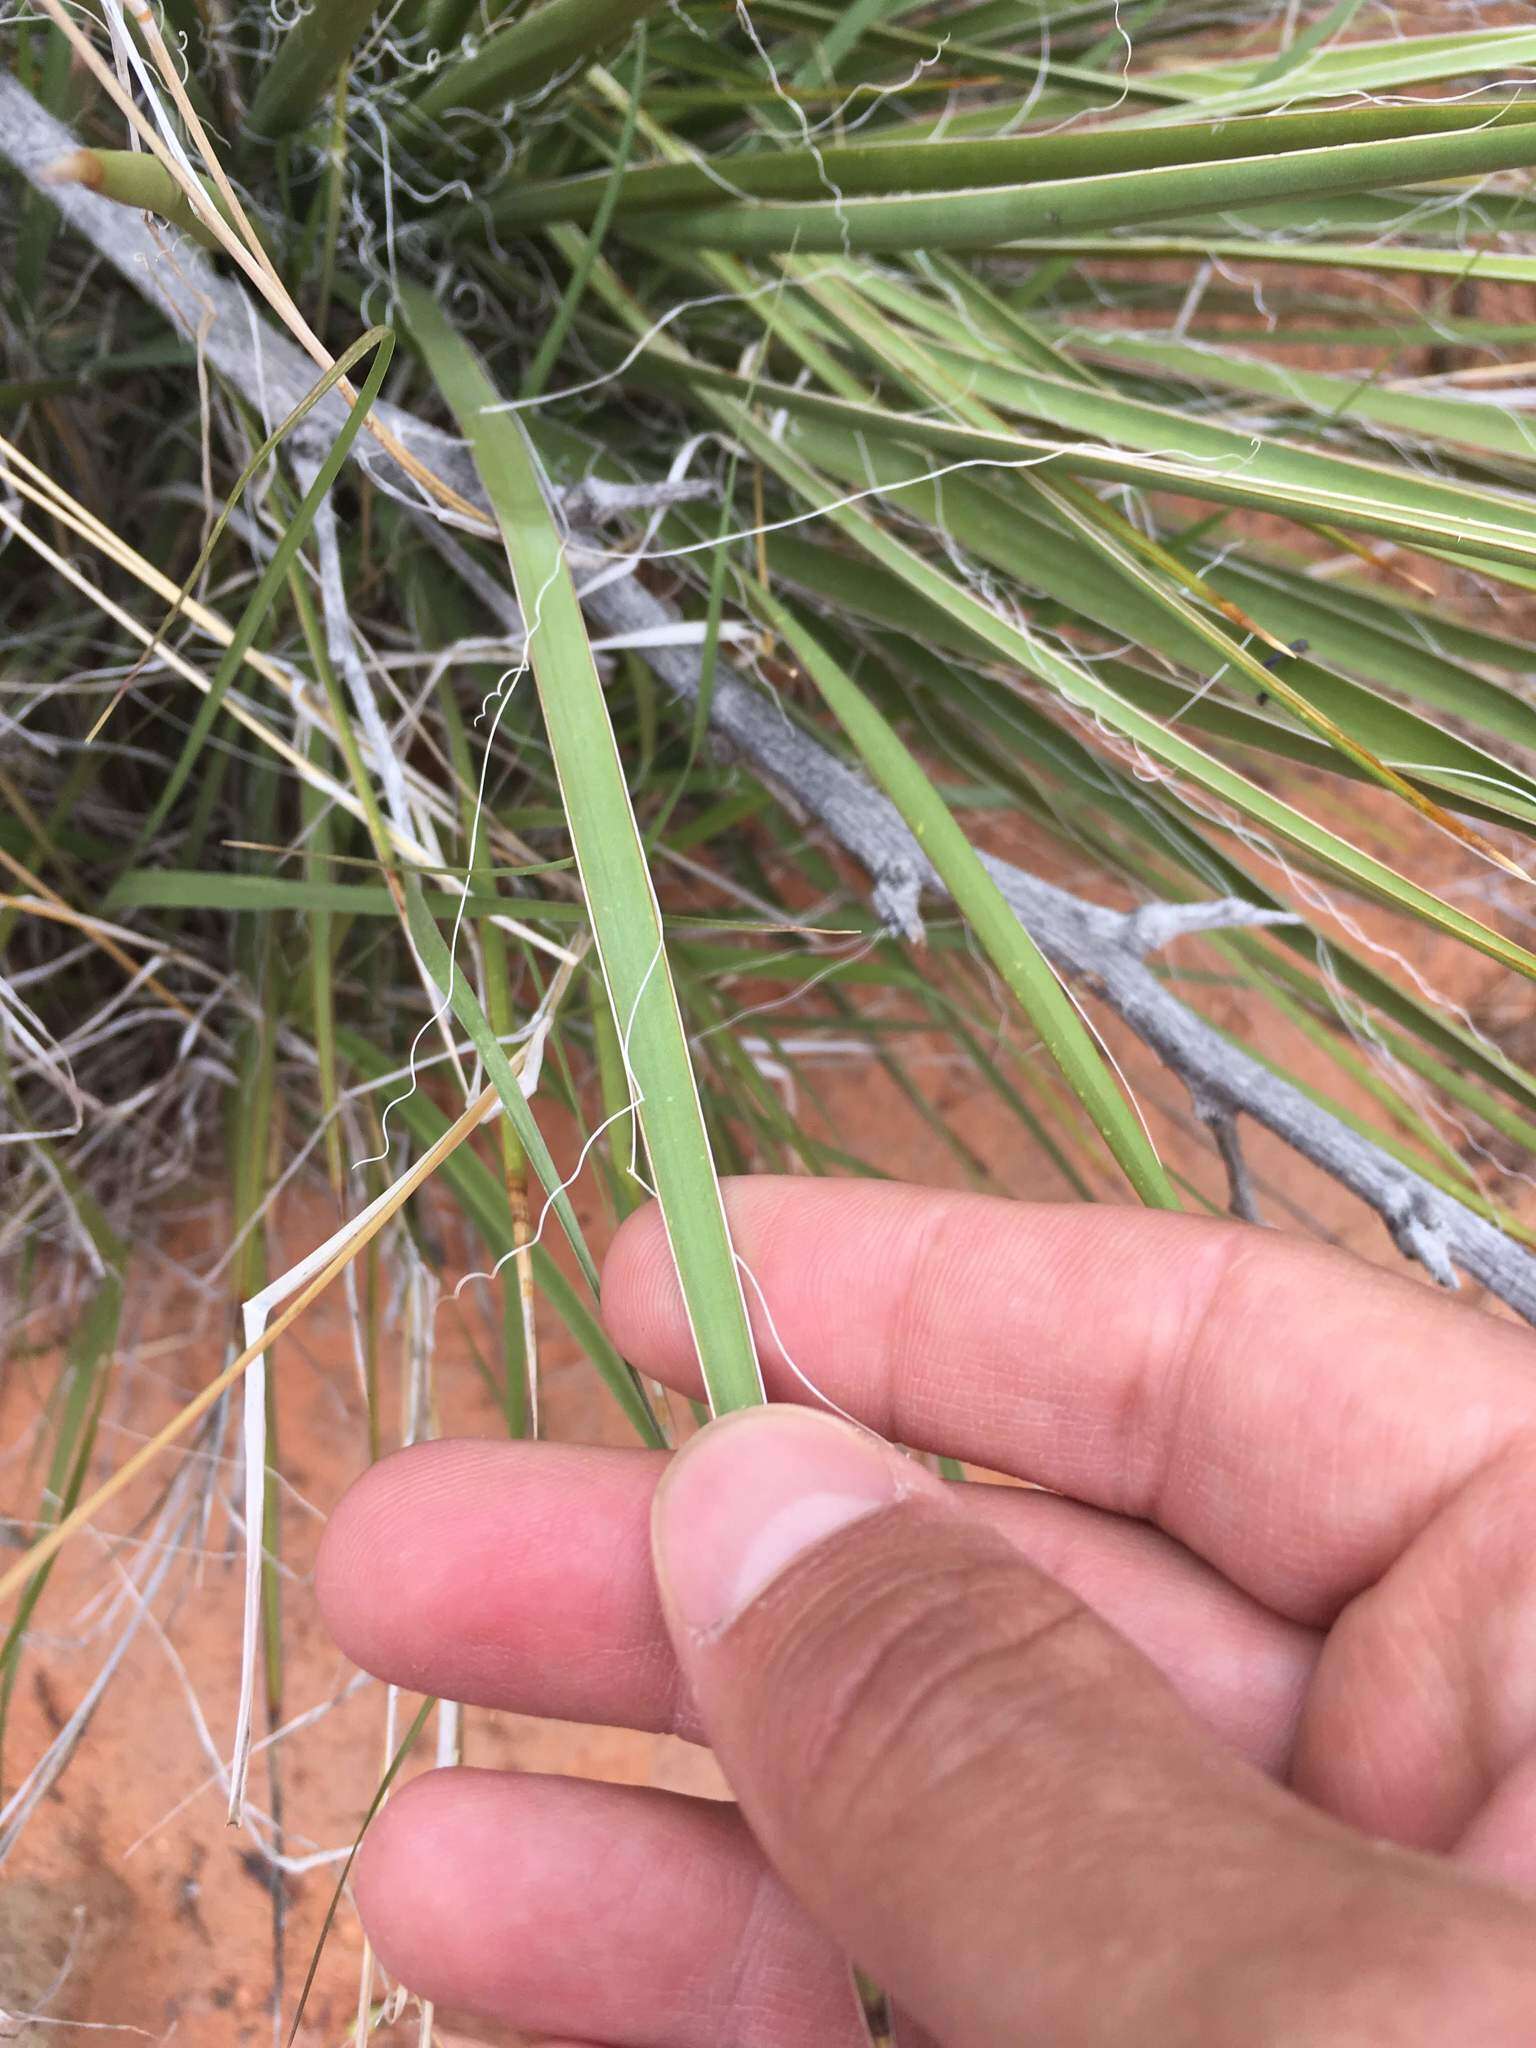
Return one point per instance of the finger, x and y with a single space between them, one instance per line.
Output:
999 1808
519 1576
1287 1412
599 1911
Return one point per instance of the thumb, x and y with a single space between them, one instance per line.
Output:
999 1808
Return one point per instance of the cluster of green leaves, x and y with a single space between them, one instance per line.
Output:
980 322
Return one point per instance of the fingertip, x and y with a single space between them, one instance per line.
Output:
374 1870
575 1911
407 1872
378 1571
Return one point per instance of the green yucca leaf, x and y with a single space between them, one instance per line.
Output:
310 57
1304 46
1435 418
621 900
1491 266
1009 946
1095 86
520 60
898 164
1161 449
997 216
1377 66
197 889
132 177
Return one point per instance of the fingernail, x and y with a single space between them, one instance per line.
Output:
749 1495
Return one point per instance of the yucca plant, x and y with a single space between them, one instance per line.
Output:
564 557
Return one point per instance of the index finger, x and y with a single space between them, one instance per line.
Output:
1290 1413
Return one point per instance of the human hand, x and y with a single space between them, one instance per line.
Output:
1230 1737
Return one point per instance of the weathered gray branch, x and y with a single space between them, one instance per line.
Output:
1104 949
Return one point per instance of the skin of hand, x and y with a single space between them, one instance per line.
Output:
1223 1730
